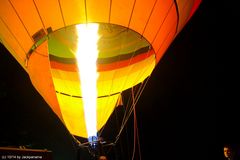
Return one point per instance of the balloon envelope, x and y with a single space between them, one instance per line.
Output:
134 35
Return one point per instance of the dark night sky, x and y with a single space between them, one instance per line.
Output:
177 112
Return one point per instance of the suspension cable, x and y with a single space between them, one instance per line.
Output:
131 109
134 126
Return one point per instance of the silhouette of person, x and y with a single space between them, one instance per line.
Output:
229 152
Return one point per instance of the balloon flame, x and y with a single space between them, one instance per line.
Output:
87 53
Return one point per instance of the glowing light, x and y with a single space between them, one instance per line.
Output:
87 53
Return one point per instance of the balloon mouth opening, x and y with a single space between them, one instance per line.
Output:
67 36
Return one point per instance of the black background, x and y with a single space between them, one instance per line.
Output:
183 113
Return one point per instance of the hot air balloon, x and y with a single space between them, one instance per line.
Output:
81 55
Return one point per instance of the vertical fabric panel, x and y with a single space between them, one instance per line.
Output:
64 86
41 78
122 79
145 71
141 14
105 107
121 12
194 7
105 78
70 87
73 11
14 24
98 11
157 18
168 25
184 9
12 44
73 112
50 13
139 72
166 43
28 15
127 77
